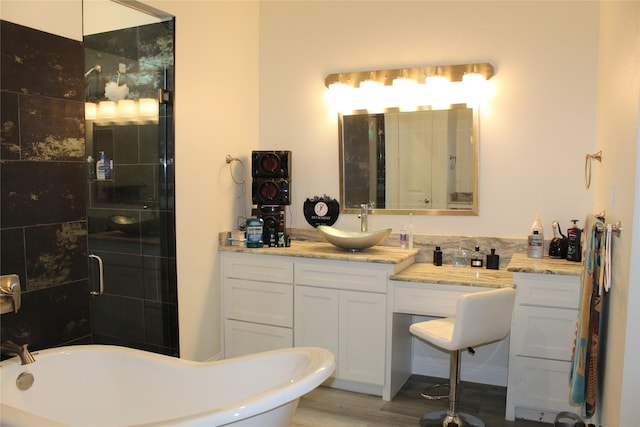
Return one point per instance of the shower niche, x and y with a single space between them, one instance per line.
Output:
131 208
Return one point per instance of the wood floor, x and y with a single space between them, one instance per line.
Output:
337 408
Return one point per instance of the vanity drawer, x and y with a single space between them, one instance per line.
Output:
552 291
341 276
428 301
544 332
257 267
260 302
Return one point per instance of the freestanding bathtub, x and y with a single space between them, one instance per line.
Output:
100 385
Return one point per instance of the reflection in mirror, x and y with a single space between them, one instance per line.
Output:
425 162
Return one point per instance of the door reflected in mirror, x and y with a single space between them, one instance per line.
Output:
425 161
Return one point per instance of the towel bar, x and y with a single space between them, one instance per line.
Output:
615 228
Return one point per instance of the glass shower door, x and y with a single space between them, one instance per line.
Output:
131 209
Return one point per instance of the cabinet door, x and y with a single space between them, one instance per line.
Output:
242 338
362 337
540 384
544 332
259 302
316 318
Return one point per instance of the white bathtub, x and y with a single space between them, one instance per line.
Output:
96 385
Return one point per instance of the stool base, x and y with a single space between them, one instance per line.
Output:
426 393
447 419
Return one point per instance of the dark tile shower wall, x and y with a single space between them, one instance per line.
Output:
43 222
139 307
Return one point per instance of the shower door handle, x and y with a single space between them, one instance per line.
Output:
100 275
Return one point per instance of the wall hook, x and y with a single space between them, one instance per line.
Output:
587 167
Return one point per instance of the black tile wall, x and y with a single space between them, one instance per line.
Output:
43 227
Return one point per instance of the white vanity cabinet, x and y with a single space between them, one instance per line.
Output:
342 306
257 303
542 337
312 295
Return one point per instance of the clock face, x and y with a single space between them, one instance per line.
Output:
321 208
321 211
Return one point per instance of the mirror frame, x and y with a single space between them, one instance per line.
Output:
435 212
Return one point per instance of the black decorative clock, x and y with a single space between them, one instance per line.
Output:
321 210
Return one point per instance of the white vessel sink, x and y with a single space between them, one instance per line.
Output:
352 240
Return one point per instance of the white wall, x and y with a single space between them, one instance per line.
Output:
617 190
534 133
63 17
216 113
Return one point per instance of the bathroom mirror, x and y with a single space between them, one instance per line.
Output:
424 161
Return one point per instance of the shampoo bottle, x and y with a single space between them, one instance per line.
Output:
100 167
574 249
535 249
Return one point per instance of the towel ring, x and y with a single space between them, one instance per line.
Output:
229 160
587 167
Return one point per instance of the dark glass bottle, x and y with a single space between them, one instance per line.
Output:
437 256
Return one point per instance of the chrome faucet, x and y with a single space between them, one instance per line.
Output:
364 215
12 349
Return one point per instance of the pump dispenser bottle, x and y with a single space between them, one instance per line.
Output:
536 239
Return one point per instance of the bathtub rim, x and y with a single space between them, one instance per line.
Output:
318 366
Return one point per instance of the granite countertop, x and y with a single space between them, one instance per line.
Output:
321 250
423 272
520 263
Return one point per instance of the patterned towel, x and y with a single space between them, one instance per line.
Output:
584 365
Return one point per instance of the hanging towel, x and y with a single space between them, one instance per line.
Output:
584 364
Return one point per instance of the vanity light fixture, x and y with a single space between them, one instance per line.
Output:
437 79
373 94
432 85
340 93
405 92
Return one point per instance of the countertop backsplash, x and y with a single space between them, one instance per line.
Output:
505 247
